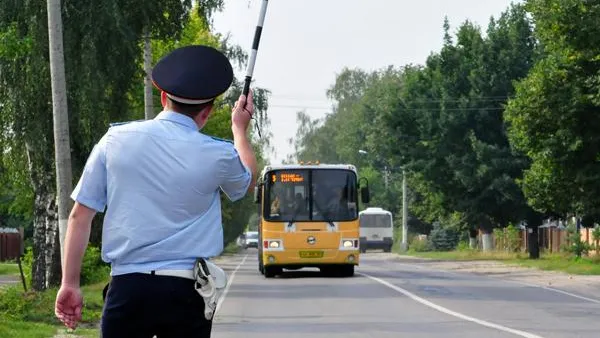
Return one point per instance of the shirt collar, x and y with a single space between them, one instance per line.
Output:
179 118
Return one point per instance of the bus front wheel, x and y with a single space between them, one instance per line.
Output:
347 270
271 271
261 266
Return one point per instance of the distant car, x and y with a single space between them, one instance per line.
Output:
251 239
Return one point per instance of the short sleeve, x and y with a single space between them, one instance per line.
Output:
91 188
235 176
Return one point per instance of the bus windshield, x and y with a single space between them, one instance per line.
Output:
375 221
310 195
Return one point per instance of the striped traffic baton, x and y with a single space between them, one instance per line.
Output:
255 43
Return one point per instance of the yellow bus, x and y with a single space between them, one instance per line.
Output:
308 217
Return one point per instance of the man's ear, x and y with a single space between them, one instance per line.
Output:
163 98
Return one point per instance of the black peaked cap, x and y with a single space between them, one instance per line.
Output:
193 74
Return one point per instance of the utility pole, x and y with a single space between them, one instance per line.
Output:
62 145
148 101
385 177
404 244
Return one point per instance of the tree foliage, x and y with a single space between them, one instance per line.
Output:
104 74
442 122
554 118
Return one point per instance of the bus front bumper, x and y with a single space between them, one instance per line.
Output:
310 257
371 244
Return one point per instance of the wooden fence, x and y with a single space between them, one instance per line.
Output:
551 239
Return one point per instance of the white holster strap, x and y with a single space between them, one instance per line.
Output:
210 282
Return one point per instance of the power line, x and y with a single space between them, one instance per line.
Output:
476 99
402 109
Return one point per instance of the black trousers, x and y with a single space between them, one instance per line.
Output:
141 305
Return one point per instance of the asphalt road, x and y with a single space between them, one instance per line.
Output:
390 298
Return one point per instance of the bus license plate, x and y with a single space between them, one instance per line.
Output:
311 254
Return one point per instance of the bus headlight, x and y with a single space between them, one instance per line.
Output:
348 244
274 245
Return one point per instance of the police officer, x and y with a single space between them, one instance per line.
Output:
160 182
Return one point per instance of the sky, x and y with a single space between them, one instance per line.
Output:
306 43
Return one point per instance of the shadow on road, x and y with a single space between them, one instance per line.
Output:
309 273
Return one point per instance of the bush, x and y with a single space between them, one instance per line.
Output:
508 239
443 238
464 246
93 269
30 306
575 245
419 245
596 238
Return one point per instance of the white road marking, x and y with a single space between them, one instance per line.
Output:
229 282
566 293
450 312
557 290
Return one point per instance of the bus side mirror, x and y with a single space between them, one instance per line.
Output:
257 193
365 195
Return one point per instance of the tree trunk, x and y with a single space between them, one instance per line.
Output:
148 106
53 252
534 245
473 238
46 249
96 231
487 241
534 220
62 146
38 270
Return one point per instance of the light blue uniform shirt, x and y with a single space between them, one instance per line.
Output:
160 183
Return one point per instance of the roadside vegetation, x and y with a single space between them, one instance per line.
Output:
576 256
9 269
28 174
31 313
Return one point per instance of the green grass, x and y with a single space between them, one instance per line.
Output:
9 269
583 266
78 333
31 314
466 255
548 262
10 328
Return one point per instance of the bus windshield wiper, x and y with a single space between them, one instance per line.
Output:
291 221
325 215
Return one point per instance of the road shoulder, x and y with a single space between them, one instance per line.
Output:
8 280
